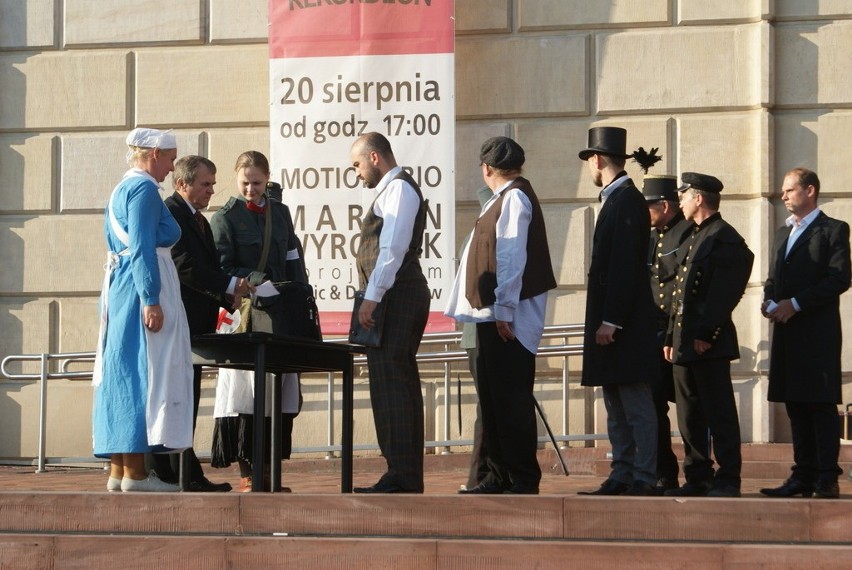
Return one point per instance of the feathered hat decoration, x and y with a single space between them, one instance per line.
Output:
646 159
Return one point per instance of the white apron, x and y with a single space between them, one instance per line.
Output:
235 388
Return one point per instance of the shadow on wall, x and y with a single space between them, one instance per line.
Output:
13 189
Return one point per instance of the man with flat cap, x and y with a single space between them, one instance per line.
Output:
669 230
620 351
714 267
502 286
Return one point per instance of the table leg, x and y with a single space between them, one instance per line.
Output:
258 439
347 429
275 437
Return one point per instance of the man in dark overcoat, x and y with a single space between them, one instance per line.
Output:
809 269
620 351
204 287
669 229
715 264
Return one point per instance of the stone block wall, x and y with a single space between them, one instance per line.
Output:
742 89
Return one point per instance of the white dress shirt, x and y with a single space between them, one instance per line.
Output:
796 230
527 315
397 204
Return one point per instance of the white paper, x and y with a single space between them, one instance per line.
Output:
771 306
265 289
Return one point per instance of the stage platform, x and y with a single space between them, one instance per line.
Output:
65 519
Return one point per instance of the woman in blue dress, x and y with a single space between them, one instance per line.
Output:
143 369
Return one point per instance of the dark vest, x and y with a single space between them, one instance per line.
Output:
481 276
371 229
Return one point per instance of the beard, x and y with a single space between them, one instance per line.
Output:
371 177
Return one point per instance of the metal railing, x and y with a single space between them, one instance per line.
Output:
556 342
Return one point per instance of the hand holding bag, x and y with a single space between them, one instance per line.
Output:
358 334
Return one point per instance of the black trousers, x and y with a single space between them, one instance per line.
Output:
816 441
506 374
667 466
478 470
705 401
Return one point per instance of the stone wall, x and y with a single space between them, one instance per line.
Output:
742 89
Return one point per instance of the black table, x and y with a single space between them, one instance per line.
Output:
265 352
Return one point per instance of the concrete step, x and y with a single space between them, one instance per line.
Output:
39 551
744 520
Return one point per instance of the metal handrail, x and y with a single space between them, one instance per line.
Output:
445 356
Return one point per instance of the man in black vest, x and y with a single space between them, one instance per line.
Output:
669 230
715 264
389 273
502 286
809 270
204 287
620 352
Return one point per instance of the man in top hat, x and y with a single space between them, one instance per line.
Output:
620 351
714 267
808 272
502 286
669 230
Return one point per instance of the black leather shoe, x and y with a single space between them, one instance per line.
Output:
641 489
790 488
828 490
204 485
690 490
484 488
729 491
383 487
608 488
522 489
666 484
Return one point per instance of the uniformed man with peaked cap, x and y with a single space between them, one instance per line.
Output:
714 268
668 231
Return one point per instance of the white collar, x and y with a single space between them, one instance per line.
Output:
791 221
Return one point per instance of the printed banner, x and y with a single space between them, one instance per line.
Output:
342 68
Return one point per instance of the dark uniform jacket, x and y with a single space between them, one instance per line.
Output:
239 236
662 261
715 264
805 359
619 292
202 281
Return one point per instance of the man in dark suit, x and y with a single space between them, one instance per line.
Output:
714 266
204 287
808 271
620 351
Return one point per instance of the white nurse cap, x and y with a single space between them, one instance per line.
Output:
151 138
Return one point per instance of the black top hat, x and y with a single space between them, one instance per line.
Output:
611 141
700 182
661 187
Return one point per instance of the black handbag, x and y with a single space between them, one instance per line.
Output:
359 335
293 312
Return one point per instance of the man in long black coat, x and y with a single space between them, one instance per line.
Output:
204 287
808 271
620 351
715 264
